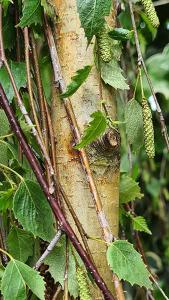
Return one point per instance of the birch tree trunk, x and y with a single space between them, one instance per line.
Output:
73 54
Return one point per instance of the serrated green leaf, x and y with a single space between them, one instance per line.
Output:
19 73
20 244
95 128
56 261
16 276
127 263
6 198
140 224
92 13
121 34
129 189
134 123
33 211
77 80
11 286
3 156
111 74
31 13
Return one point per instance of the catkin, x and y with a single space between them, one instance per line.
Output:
148 129
83 285
104 44
151 12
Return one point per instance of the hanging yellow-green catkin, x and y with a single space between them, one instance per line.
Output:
151 12
83 285
148 129
104 44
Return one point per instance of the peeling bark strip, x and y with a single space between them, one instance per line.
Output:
52 201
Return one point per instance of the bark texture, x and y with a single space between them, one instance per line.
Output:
73 54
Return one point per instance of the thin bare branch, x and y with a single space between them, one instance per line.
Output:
50 247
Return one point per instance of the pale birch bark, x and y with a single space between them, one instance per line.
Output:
73 54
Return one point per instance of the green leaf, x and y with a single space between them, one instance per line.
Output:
134 123
92 13
46 77
95 128
77 80
4 127
6 198
20 244
33 211
48 8
140 224
31 13
129 189
127 263
9 32
121 34
16 276
56 261
111 74
19 72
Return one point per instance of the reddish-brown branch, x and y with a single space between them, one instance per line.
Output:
65 226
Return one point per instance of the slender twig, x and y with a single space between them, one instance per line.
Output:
66 290
142 63
28 72
58 291
64 224
49 249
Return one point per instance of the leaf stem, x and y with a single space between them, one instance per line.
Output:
12 171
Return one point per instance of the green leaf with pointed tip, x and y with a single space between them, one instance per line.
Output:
33 211
31 13
56 261
127 263
95 129
92 15
129 189
121 34
19 73
16 276
77 80
140 224
111 74
20 244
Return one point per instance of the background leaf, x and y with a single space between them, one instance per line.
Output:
56 261
20 244
134 123
127 263
6 198
77 80
111 74
19 72
95 128
129 189
140 224
16 276
121 34
31 13
92 13
33 211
